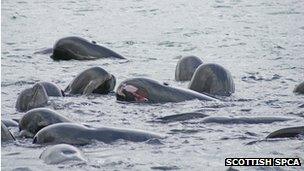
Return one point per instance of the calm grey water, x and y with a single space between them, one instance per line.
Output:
260 42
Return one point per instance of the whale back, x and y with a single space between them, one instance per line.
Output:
109 134
6 134
32 98
36 119
51 89
287 132
212 79
76 134
186 67
96 76
158 93
80 49
299 88
68 133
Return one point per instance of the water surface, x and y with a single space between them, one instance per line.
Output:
260 43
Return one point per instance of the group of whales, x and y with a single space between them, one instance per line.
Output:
45 126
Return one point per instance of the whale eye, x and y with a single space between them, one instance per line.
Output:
132 93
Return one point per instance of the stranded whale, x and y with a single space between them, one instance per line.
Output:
80 49
212 79
72 133
32 98
287 132
147 90
36 119
92 80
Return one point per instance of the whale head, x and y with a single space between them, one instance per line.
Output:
132 92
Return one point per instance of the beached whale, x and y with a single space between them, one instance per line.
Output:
150 91
80 49
72 133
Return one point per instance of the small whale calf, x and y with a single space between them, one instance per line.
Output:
76 134
80 49
36 119
92 80
150 91
61 153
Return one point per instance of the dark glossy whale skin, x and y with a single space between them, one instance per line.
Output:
212 79
158 93
287 132
32 98
10 123
6 134
180 117
244 120
299 88
80 49
76 134
36 119
92 80
186 67
52 89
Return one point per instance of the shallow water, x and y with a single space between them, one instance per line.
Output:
260 43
